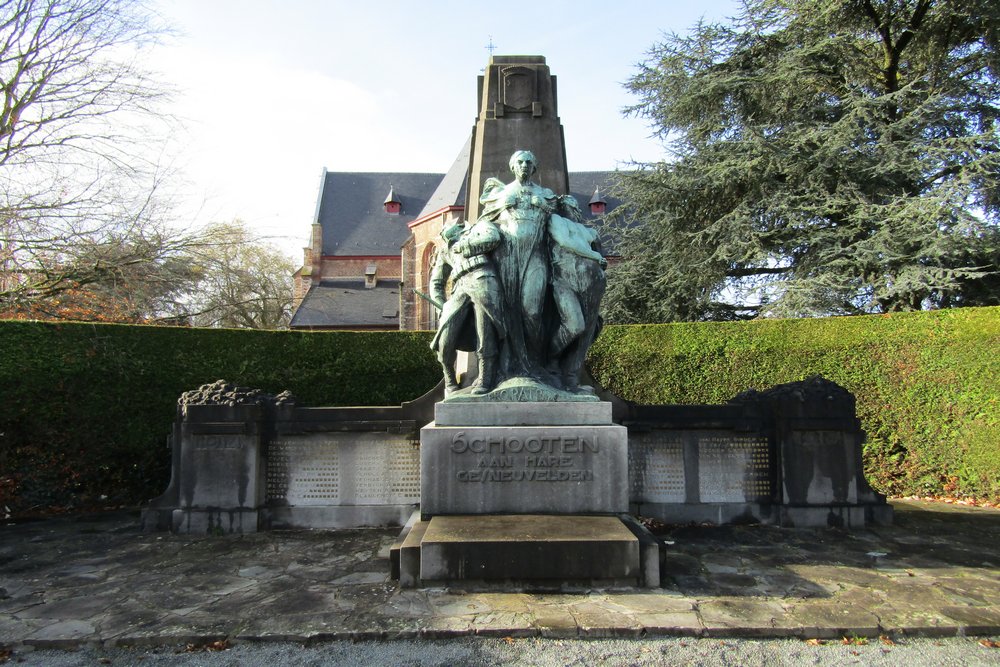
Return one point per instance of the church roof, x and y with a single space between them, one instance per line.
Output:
451 191
582 185
355 222
346 303
353 218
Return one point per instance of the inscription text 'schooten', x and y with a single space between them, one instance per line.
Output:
531 459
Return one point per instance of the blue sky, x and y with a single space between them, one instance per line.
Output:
270 93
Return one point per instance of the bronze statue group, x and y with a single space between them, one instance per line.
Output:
527 279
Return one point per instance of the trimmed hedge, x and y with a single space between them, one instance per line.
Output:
85 409
926 383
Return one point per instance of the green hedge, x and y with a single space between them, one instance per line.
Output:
926 383
85 409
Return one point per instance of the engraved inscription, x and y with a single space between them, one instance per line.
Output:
218 442
527 459
461 443
319 470
656 465
733 468
385 477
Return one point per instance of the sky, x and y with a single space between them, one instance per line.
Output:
269 93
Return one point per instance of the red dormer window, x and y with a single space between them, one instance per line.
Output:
597 204
392 204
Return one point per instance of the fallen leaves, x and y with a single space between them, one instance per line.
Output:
210 647
854 640
815 642
989 643
952 500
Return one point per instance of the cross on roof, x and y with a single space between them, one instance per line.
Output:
491 47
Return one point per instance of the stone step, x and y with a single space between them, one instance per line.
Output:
527 548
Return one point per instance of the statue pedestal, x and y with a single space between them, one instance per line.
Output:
527 495
532 458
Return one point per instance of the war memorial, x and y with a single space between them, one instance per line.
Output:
515 472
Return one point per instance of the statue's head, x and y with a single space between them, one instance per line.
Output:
451 233
523 164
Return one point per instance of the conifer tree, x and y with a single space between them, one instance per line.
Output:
824 157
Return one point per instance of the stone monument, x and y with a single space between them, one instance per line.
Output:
523 473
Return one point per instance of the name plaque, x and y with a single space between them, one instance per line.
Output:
700 466
342 469
524 469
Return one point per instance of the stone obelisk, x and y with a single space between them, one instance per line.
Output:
517 110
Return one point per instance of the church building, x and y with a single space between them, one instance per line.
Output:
373 239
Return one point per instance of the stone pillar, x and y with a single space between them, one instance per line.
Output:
221 476
517 111
819 442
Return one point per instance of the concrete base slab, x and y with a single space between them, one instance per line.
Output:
521 548
819 516
334 517
214 521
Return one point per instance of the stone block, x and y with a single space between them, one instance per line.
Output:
523 470
527 547
342 468
211 521
836 516
334 517
409 555
398 544
649 552
713 513
596 413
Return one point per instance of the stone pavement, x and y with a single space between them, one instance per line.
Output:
97 580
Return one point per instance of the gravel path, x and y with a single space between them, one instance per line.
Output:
472 651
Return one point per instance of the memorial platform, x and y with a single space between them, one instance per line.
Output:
525 552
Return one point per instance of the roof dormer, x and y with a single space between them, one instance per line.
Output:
392 204
597 203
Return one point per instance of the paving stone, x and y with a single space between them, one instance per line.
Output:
16 630
362 578
975 620
654 603
902 618
458 605
504 624
554 620
831 620
752 617
63 634
308 586
76 607
684 623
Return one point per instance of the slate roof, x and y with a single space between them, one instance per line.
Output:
352 216
451 191
355 222
582 185
347 303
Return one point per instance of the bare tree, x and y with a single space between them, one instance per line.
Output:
243 281
77 185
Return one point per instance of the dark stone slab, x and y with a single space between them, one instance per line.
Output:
528 547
